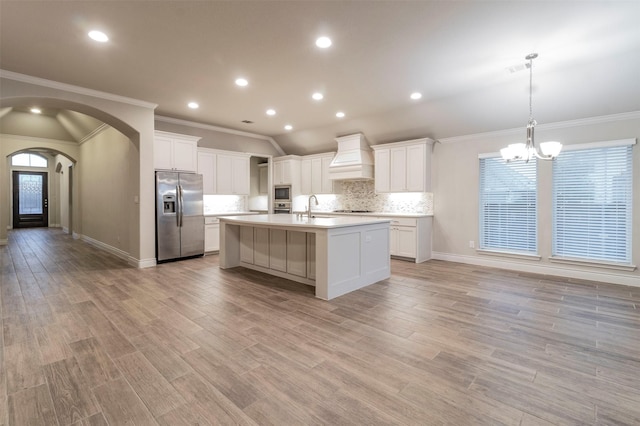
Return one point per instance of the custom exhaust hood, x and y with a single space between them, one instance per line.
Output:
354 159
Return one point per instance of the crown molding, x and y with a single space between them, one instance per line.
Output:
633 115
37 139
10 75
194 124
101 128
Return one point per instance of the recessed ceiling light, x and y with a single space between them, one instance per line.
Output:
339 114
36 110
288 127
241 82
317 96
193 105
271 112
323 42
416 95
98 36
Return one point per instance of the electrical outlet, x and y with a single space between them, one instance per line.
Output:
472 244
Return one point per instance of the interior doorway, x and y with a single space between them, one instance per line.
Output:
30 199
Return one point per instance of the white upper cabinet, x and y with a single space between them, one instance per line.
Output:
286 170
224 172
232 174
207 168
403 166
315 174
172 151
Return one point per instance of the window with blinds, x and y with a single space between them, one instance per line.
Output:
508 206
592 198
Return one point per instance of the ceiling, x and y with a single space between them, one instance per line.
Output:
454 52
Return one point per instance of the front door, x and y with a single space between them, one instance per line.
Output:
30 200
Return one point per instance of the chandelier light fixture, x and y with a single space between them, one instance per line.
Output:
527 151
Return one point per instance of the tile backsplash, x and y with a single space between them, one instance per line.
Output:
224 203
361 195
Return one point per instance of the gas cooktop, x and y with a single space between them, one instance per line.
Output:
352 211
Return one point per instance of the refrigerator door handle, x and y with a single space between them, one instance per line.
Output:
181 209
178 206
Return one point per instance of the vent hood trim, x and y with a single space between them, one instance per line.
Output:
354 159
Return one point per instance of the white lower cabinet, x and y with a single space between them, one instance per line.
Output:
311 256
297 253
211 234
402 241
246 244
291 253
261 247
278 250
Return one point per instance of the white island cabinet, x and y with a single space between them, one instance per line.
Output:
337 255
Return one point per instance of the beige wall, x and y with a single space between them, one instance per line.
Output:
103 178
63 191
455 187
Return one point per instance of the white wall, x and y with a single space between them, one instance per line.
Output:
105 188
455 187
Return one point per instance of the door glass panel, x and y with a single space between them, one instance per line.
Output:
30 194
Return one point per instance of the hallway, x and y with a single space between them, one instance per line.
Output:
89 340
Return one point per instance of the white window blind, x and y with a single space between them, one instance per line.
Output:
508 206
592 198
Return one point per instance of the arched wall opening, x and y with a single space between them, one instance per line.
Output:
128 120
60 186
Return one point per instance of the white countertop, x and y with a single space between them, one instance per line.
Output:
292 220
374 214
228 214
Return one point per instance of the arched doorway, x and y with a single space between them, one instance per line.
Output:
41 183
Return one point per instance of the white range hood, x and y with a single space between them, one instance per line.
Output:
354 159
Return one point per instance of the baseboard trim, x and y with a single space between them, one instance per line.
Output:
142 263
106 247
4 242
565 271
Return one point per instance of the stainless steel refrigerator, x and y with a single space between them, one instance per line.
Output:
179 216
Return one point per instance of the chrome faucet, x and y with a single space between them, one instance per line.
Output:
309 211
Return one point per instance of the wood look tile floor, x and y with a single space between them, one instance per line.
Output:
88 340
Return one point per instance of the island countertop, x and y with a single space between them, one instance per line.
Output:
292 220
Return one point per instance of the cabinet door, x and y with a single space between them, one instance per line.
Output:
316 176
240 175
305 177
393 241
278 249
398 180
382 170
311 256
416 168
297 253
162 153
406 241
207 168
263 178
327 184
185 154
212 237
224 178
246 244
261 247
282 172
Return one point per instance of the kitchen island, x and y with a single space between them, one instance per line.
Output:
337 255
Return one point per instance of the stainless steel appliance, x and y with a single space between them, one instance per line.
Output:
282 208
282 193
179 216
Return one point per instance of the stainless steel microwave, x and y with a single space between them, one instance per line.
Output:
282 193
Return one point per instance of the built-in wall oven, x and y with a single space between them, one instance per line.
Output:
281 208
282 194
